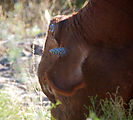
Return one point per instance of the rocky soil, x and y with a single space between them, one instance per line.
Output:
23 88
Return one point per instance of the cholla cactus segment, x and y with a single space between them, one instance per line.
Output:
58 51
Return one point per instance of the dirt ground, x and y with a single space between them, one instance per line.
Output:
23 88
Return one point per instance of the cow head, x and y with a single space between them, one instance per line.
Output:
54 68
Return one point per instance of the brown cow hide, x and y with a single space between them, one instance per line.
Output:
99 58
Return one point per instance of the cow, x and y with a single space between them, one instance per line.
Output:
86 54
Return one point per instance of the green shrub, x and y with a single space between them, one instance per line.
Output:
110 109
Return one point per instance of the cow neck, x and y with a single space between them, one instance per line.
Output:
92 6
122 5
96 12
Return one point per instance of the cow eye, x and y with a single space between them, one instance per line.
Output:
52 28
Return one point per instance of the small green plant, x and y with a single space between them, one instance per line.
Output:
111 108
54 106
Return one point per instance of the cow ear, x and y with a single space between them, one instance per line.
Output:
66 76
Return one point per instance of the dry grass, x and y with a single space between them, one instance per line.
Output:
111 108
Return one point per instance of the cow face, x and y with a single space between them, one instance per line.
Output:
54 68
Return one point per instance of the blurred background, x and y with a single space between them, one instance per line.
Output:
23 26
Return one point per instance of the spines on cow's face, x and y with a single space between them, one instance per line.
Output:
58 51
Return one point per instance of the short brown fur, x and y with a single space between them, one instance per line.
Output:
99 40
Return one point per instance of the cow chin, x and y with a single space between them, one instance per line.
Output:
64 110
